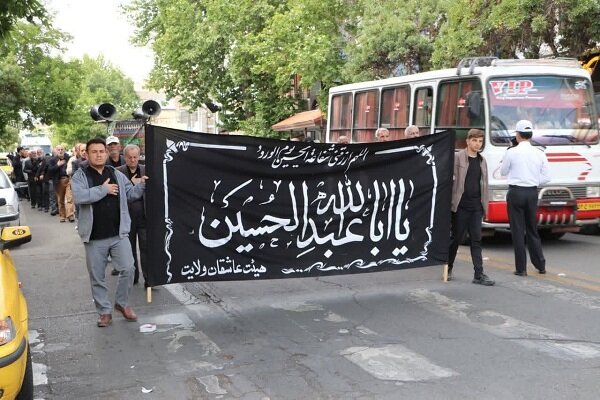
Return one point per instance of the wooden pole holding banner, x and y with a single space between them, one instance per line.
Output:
445 273
148 294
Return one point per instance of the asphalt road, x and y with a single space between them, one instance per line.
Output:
389 335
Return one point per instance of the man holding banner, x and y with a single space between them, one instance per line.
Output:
102 193
469 203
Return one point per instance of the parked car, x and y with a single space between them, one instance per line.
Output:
6 165
9 212
16 373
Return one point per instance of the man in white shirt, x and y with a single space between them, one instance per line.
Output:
526 168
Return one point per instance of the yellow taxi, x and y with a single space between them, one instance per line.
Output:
6 165
16 373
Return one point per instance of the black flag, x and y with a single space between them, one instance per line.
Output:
236 207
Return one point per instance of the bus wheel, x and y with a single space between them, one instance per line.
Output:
547 234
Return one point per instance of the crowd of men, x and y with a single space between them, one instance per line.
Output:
47 177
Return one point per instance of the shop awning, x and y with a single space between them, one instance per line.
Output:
301 121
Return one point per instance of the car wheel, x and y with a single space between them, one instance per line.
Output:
26 392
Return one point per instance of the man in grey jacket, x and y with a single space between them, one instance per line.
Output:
102 194
469 203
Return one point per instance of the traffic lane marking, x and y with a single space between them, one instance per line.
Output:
528 335
395 362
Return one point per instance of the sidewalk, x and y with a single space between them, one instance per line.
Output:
78 359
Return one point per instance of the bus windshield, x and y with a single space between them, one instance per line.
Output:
561 109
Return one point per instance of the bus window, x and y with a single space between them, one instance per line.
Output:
422 109
395 107
560 108
366 111
341 116
460 107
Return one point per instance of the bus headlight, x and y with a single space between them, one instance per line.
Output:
498 195
592 191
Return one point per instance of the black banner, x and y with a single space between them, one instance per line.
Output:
235 207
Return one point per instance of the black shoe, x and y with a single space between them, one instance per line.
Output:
483 280
520 273
114 272
53 213
450 277
542 271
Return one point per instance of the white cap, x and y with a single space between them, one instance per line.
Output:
524 126
112 139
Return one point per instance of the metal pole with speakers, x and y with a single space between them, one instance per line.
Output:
104 112
149 109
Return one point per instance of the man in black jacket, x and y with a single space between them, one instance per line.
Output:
137 210
30 167
58 171
17 164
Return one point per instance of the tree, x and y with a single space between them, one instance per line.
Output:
517 28
45 89
46 84
11 11
100 82
14 98
393 37
244 54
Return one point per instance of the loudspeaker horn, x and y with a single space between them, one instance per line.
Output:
138 114
212 107
151 108
103 112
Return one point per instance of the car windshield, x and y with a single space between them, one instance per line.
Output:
561 109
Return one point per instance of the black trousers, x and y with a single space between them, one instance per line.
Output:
137 236
467 221
34 193
522 209
45 195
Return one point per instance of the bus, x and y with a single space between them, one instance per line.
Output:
33 141
492 94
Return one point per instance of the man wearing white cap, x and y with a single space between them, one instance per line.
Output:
526 168
115 158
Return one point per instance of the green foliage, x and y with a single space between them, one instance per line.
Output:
11 11
517 28
9 139
393 37
14 95
36 82
100 82
47 84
